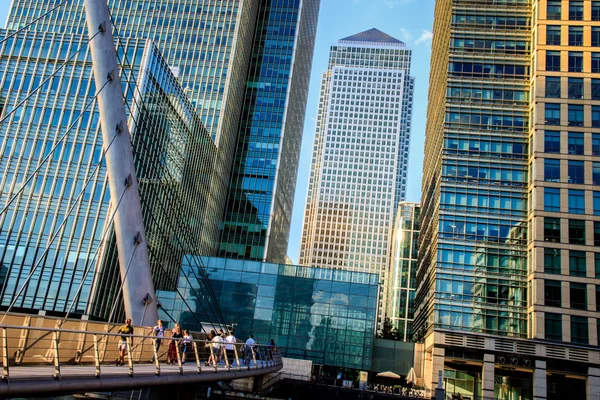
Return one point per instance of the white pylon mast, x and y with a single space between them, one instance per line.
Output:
138 288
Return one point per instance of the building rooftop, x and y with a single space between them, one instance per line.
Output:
372 36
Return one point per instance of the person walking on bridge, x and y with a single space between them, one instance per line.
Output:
159 333
125 331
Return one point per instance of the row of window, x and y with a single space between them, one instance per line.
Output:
576 231
575 171
575 61
579 328
578 298
577 262
553 35
575 88
575 10
575 115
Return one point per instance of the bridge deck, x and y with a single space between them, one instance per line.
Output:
39 380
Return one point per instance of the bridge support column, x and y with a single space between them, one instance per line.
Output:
136 276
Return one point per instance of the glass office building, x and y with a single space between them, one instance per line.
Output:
263 181
400 291
245 66
55 230
318 314
506 301
360 155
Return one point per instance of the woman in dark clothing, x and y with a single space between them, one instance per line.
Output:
174 344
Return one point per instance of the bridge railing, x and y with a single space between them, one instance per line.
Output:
59 352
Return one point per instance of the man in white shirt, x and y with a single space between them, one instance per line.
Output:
248 349
230 341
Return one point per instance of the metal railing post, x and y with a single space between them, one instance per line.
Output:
197 356
56 337
5 354
97 356
177 343
254 356
212 355
129 356
226 358
156 361
237 359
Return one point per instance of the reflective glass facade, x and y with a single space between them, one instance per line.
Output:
263 181
166 127
208 46
400 291
360 154
473 266
323 315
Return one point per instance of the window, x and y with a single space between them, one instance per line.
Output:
577 264
576 36
595 89
554 10
552 293
575 115
579 330
552 142
576 88
551 170
552 60
598 299
551 229
595 10
575 10
576 172
551 199
576 201
575 61
578 294
597 265
596 233
595 36
553 87
553 326
595 116
552 114
597 205
576 231
553 35
552 261
595 173
575 143
595 62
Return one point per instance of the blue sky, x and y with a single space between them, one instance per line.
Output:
407 20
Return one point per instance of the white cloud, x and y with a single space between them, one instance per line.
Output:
406 35
425 37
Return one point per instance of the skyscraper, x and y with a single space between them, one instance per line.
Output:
360 154
257 218
400 291
507 297
244 68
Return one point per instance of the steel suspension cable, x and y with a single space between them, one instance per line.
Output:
212 305
60 4
41 164
55 235
90 263
34 91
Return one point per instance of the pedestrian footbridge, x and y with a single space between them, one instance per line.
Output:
51 356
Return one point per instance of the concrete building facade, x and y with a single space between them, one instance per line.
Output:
506 301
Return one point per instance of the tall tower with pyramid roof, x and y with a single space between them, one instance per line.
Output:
360 155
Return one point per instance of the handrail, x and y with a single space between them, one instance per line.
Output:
58 347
